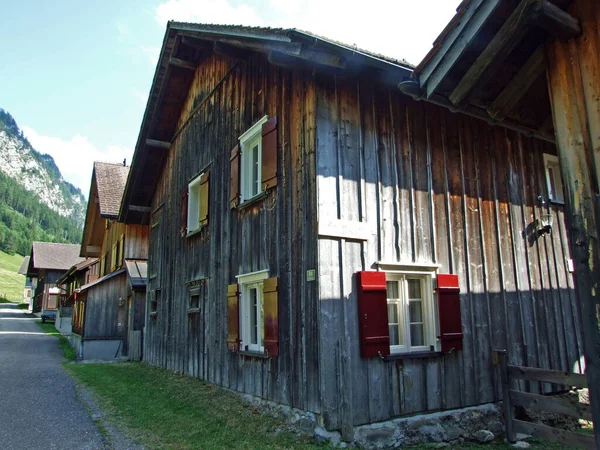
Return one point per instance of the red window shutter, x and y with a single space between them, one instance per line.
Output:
269 154
372 314
233 318
448 291
184 211
271 316
234 181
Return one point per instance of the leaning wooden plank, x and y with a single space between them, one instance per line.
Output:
554 434
548 376
551 404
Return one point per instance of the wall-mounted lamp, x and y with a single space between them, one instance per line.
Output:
545 224
121 301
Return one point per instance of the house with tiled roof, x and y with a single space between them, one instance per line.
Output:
109 307
323 240
47 263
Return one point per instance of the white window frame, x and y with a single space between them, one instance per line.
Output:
554 180
427 275
193 211
247 282
251 187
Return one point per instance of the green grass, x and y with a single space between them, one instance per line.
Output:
164 410
68 351
11 283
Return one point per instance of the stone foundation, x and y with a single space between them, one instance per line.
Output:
479 424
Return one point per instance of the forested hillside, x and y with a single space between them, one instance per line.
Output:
36 204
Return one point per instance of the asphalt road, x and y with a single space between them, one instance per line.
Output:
39 408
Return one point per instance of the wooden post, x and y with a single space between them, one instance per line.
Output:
502 365
573 70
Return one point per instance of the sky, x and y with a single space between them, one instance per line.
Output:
76 74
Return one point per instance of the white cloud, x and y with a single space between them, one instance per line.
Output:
152 53
397 28
75 158
207 11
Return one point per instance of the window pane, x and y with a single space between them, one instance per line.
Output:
414 288
255 162
416 311
253 316
392 313
416 335
394 335
392 289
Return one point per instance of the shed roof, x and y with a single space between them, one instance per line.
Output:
24 266
186 44
110 180
138 273
47 255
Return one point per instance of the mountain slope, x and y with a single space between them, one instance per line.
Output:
35 202
37 172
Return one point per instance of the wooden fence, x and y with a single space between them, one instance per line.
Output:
510 375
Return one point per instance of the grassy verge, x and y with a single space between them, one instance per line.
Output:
164 410
68 351
11 283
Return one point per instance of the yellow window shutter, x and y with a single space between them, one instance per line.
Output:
113 257
204 198
271 315
121 250
233 317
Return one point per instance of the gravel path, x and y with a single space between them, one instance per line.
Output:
40 404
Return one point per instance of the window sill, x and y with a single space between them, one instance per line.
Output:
557 202
195 232
193 310
415 355
252 200
249 354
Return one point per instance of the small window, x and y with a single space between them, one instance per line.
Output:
195 301
251 311
411 312
251 170
193 212
554 179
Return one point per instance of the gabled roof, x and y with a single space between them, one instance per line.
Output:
110 181
24 266
186 44
51 256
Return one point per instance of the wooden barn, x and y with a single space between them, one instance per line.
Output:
47 263
321 240
109 311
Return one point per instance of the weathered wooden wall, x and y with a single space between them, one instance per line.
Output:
136 240
277 233
102 311
435 187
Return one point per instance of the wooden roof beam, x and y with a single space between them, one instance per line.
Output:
229 51
528 12
142 209
200 44
509 35
519 85
182 63
458 40
158 144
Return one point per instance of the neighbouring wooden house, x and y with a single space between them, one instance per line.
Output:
109 310
322 240
78 275
537 63
29 287
47 263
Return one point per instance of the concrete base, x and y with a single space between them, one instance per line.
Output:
103 349
63 321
